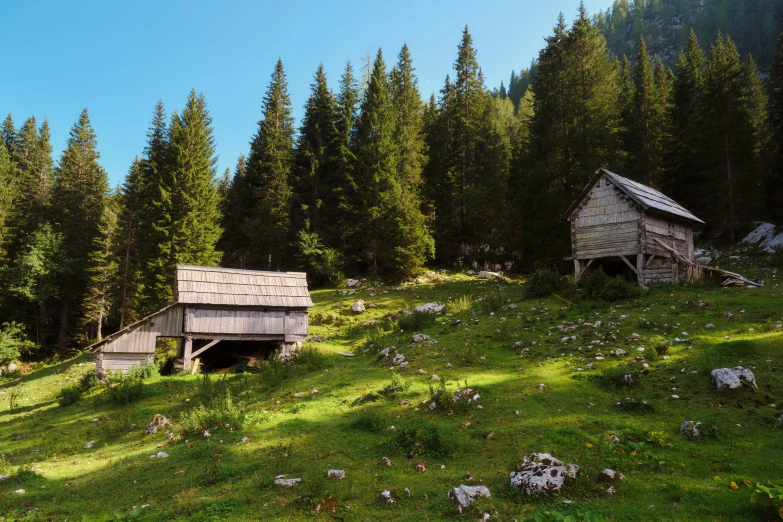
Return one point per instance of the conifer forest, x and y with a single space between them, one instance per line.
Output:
380 178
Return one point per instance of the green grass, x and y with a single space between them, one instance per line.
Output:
290 430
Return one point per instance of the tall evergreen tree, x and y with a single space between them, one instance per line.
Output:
152 230
750 193
233 215
727 127
647 143
102 272
34 174
79 198
195 202
685 173
129 216
317 156
414 242
9 136
7 198
267 228
773 185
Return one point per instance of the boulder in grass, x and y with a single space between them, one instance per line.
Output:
465 495
432 308
336 473
283 480
417 338
733 378
159 421
358 307
610 475
690 429
543 474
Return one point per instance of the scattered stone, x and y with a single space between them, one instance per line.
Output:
158 421
709 326
541 386
386 495
690 429
417 338
609 475
358 307
346 354
384 352
619 352
543 474
404 403
89 445
398 359
350 283
314 391
20 492
385 462
160 455
421 466
433 308
283 480
465 495
733 378
434 378
95 420
336 473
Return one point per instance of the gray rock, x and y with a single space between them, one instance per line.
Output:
542 473
283 480
336 473
358 307
690 428
609 475
733 378
430 307
703 260
417 338
158 421
465 495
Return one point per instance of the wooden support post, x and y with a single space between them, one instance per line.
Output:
625 260
640 269
186 356
649 260
577 268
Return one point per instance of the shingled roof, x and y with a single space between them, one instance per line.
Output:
234 287
646 197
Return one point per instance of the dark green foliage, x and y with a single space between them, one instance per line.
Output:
556 516
773 182
322 263
416 321
368 422
69 395
215 408
265 192
600 286
661 348
7 197
421 439
126 388
79 199
634 405
544 283
618 377
13 343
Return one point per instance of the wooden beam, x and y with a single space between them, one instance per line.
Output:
577 268
204 348
640 269
590 262
649 260
625 259
186 356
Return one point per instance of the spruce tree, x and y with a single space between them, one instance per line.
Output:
130 207
685 172
414 242
647 143
7 197
9 136
153 226
750 192
195 202
102 272
267 227
773 184
344 188
233 215
34 175
727 124
79 198
317 156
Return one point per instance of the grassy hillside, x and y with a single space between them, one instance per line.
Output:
347 424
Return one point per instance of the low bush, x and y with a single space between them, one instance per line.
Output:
600 286
631 405
617 377
459 305
215 410
69 395
125 388
544 283
556 516
422 439
397 385
368 422
416 321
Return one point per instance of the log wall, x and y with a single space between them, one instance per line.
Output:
606 224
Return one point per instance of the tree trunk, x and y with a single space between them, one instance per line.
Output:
731 188
125 276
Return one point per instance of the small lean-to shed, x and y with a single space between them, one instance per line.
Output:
213 305
617 219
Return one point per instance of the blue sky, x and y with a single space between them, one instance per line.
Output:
118 58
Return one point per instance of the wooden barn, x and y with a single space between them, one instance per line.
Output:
619 223
233 313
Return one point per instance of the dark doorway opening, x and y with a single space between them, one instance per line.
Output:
616 267
226 354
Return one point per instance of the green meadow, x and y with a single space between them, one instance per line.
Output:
329 411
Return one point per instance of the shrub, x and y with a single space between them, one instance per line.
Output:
617 377
127 388
544 283
69 395
322 263
221 414
416 321
600 286
631 405
459 305
661 348
556 516
13 342
397 385
367 422
422 439
87 382
769 496
491 303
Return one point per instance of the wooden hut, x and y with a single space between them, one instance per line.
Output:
262 311
616 219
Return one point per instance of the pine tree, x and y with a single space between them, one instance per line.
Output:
267 228
344 188
773 184
317 156
647 142
727 124
79 198
414 242
102 272
129 215
233 215
685 173
750 192
153 226
34 175
9 136
195 202
7 197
